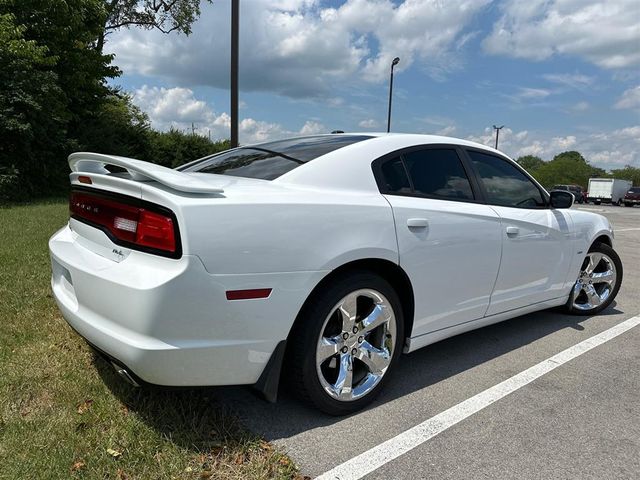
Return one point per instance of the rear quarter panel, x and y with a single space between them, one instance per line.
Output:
266 228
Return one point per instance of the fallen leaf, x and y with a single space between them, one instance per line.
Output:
114 453
266 446
188 469
79 465
206 474
121 475
84 406
284 461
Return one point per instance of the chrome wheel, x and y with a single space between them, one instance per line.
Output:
356 343
595 283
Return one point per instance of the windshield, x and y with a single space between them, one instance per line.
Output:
268 161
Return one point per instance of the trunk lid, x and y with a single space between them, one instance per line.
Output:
114 211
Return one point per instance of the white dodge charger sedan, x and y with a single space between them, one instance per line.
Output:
323 257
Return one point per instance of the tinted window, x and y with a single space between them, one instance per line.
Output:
635 190
269 160
504 183
395 176
439 173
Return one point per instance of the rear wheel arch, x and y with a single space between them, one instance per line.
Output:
391 272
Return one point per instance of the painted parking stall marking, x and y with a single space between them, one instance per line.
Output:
391 449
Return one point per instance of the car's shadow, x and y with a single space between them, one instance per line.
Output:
198 418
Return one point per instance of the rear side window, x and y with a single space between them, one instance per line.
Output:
432 172
438 173
268 161
395 176
504 183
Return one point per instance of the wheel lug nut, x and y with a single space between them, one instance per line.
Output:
360 339
355 329
345 335
344 349
354 351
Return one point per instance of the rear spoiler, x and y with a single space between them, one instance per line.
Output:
94 163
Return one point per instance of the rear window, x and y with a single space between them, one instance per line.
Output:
635 190
268 161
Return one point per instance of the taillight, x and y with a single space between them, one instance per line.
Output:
145 226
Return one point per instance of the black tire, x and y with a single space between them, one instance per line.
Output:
628 204
615 258
301 372
597 202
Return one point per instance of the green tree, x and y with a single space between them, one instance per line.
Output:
52 81
567 168
530 163
163 15
174 148
32 110
117 127
628 173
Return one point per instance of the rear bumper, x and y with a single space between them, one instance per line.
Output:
169 320
635 201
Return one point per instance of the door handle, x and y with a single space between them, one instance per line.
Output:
417 223
513 231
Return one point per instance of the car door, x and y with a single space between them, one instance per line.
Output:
537 248
448 240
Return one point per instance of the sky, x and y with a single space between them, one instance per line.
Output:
558 74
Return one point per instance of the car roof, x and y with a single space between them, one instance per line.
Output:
350 167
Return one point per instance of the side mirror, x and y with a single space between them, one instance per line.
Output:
561 199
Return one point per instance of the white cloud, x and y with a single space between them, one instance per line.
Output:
298 48
313 128
608 150
369 123
580 107
629 99
532 93
604 33
179 108
447 131
575 81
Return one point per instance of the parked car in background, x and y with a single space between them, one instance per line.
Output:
632 197
608 190
324 257
577 191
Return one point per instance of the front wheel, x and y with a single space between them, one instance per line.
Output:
598 282
345 344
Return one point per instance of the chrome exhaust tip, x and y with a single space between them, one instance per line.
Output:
124 374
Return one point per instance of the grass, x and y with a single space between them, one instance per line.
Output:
63 412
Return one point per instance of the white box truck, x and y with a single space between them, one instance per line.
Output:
608 190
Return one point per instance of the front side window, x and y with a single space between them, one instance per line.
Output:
504 183
433 172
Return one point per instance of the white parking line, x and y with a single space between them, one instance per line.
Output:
625 230
378 456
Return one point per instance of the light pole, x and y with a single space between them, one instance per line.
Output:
497 129
235 27
393 64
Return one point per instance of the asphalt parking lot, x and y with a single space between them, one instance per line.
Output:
577 420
